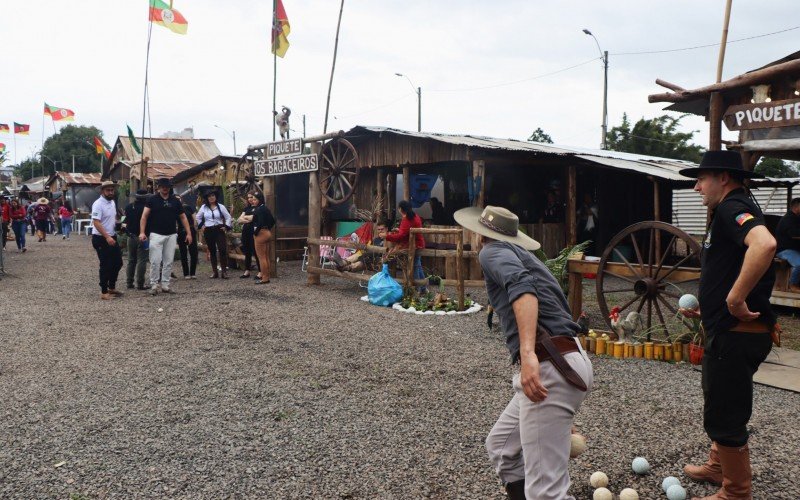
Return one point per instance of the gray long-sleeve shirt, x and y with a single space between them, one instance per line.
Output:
511 271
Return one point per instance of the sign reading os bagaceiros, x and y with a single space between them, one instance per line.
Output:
285 157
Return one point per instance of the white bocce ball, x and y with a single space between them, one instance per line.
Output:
669 481
598 480
628 494
577 445
676 492
640 465
602 494
688 301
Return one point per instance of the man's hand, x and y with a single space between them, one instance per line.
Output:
111 241
739 309
188 238
689 313
142 237
529 378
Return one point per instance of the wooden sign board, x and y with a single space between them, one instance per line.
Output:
282 149
281 166
763 115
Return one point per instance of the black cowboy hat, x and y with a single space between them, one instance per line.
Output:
141 194
164 181
721 161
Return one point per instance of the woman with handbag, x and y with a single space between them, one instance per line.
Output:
263 222
213 221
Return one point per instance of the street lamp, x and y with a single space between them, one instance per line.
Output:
418 91
233 135
604 58
52 160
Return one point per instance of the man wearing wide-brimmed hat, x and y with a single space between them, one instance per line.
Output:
736 280
158 225
104 240
137 251
529 445
42 213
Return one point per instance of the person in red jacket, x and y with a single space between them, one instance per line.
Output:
18 224
400 237
5 213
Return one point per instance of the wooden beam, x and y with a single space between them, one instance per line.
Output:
306 140
314 216
670 86
575 294
620 268
406 183
317 271
572 206
460 272
422 252
757 77
380 191
715 110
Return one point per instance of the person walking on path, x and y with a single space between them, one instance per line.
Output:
19 224
31 219
104 240
529 445
42 213
188 251
5 219
263 222
158 225
214 220
736 279
248 245
137 250
65 213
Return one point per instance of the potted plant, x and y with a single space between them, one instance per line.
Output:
697 346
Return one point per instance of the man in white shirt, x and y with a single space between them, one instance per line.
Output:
104 240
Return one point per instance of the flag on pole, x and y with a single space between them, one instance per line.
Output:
101 148
164 15
2 147
58 114
133 140
22 129
280 31
4 127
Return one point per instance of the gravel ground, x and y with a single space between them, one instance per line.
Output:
285 391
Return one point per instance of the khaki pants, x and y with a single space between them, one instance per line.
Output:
261 241
531 441
161 253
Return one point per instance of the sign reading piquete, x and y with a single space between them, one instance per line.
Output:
284 157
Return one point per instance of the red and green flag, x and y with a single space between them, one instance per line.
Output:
101 148
164 15
4 127
59 114
280 31
2 147
22 128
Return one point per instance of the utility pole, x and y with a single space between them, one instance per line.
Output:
605 98
73 164
419 109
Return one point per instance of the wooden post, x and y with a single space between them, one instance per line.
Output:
380 191
391 195
657 215
571 222
314 218
268 186
479 172
412 247
575 292
715 122
406 183
460 271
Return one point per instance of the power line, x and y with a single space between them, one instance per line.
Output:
406 96
703 46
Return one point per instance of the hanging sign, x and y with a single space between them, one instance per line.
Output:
288 165
284 148
763 115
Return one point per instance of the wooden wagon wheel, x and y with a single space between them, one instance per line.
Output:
338 170
652 277
244 179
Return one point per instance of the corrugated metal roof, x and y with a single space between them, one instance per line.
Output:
157 170
664 168
80 178
193 151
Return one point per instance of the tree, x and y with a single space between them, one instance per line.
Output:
775 167
654 137
540 135
58 150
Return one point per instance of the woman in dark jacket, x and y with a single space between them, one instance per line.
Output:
263 222
248 245
188 252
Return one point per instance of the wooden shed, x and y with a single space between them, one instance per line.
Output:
79 189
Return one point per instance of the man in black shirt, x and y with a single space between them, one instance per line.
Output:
137 254
158 224
736 279
788 236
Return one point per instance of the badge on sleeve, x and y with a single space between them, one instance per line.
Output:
744 217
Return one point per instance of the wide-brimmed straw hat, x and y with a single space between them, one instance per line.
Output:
43 201
106 184
497 223
721 161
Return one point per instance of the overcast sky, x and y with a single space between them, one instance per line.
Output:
476 62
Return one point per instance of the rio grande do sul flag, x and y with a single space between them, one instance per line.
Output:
2 147
164 15
22 128
4 127
101 148
280 31
58 114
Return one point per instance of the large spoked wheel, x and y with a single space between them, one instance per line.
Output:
338 170
244 179
661 264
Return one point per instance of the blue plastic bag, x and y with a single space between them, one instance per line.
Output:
383 290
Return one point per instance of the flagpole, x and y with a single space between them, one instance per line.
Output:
143 180
333 67
275 39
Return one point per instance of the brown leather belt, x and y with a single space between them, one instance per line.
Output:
751 327
549 348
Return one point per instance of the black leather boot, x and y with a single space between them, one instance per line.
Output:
516 490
